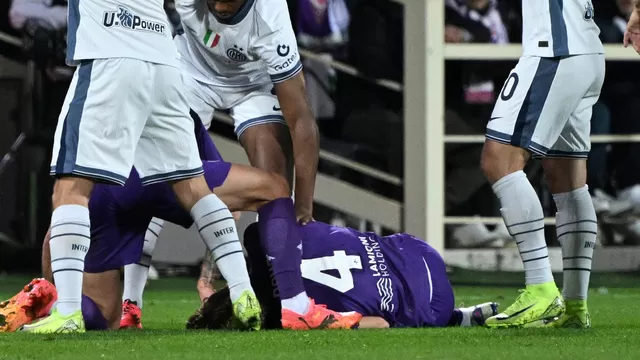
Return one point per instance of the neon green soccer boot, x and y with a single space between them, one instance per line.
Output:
535 304
576 316
57 323
247 312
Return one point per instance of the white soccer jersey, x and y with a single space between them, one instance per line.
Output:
554 28
138 29
255 47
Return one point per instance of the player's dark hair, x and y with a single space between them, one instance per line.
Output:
215 314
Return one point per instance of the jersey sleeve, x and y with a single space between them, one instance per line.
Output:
276 42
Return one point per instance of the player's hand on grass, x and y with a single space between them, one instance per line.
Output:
632 34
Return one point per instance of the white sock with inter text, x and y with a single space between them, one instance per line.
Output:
218 230
522 213
577 229
69 244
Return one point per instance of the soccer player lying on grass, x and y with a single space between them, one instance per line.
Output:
393 281
119 220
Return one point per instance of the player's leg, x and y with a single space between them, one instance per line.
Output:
95 140
210 316
566 176
38 297
576 229
101 301
169 140
262 132
276 315
136 275
528 117
104 287
249 189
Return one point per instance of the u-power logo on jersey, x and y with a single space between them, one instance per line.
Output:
126 19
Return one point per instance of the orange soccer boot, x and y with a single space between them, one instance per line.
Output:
131 315
33 302
319 317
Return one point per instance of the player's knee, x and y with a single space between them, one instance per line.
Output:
71 191
279 186
499 160
271 186
190 191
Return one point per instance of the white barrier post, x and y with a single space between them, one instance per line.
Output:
423 120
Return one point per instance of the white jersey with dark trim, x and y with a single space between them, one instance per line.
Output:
103 29
553 28
255 47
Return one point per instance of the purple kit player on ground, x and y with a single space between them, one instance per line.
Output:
119 219
393 281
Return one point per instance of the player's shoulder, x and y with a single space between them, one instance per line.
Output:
272 12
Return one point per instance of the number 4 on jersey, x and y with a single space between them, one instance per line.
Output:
313 269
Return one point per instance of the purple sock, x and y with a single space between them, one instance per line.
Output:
93 318
280 239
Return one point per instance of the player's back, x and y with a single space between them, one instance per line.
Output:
553 28
102 29
376 276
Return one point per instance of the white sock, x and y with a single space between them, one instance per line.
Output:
69 244
522 213
298 304
218 231
576 228
136 275
466 316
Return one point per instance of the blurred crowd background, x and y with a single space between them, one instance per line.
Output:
358 119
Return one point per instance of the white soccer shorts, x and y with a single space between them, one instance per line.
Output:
123 112
248 107
545 105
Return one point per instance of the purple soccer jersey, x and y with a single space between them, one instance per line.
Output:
399 278
120 215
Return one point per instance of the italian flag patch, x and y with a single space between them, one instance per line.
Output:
211 41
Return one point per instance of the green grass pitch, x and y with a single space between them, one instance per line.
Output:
168 303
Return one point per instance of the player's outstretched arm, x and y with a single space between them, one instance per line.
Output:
373 322
207 278
306 144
